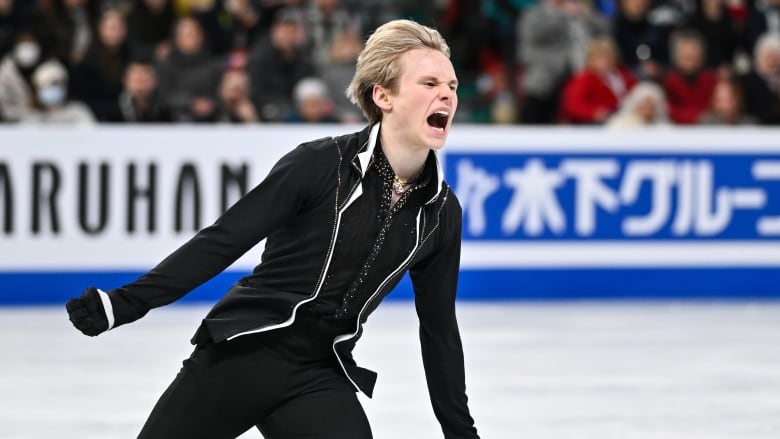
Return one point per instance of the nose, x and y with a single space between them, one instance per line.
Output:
446 93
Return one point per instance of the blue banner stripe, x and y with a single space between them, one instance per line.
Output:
48 288
625 197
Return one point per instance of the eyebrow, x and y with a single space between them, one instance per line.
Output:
435 79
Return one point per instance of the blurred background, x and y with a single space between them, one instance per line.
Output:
605 62
617 161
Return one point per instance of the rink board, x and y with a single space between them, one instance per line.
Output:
548 214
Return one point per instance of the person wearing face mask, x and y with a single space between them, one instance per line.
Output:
16 69
50 81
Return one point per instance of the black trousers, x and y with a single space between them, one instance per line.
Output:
286 382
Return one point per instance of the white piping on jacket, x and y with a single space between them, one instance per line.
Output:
108 307
344 337
357 191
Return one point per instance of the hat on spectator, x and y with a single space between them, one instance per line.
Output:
310 88
49 72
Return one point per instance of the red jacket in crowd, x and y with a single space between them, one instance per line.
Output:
688 98
588 98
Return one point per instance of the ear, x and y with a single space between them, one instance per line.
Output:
382 98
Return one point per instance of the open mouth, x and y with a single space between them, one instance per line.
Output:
438 120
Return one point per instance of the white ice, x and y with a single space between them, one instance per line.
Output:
534 370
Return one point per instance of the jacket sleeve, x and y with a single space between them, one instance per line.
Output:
284 192
435 280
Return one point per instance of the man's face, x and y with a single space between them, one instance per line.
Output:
689 56
235 86
189 38
424 102
286 36
140 79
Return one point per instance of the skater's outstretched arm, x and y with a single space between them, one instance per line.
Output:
278 198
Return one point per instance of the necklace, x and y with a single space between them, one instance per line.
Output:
400 186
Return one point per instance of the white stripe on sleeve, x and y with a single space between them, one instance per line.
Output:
107 307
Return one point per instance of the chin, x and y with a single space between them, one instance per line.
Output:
436 145
435 140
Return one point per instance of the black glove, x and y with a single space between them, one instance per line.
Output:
87 313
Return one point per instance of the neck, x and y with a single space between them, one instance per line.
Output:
407 162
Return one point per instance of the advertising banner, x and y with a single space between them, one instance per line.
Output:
590 213
547 214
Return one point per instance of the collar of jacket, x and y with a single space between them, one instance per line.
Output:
362 159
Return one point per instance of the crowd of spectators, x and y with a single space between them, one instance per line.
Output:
617 63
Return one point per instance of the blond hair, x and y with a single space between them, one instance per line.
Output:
378 64
601 45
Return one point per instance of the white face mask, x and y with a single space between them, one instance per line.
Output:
52 95
27 53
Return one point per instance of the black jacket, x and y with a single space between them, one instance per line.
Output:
299 208
761 101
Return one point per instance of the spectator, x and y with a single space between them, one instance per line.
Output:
235 105
338 73
139 101
497 103
149 28
726 106
9 21
644 105
326 20
269 41
470 33
244 22
229 24
549 50
277 63
591 95
66 28
268 10
719 31
642 45
216 19
672 14
762 84
50 80
763 17
688 83
16 69
312 103
190 76
97 80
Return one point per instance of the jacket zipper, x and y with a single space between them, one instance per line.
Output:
419 244
336 224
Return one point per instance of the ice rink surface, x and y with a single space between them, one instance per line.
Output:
534 370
